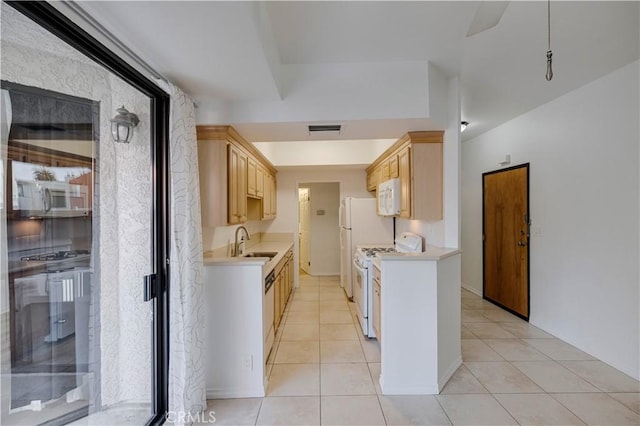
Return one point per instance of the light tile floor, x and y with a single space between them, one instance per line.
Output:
323 371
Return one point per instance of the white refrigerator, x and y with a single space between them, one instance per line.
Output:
359 224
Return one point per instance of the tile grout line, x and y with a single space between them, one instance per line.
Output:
489 392
442 408
544 391
567 408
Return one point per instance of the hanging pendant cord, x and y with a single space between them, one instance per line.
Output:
549 74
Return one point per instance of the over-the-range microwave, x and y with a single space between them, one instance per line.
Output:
389 197
51 198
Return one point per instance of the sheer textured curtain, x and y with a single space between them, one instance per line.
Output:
186 306
5 110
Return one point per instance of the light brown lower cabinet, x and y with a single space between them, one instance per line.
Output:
283 286
277 289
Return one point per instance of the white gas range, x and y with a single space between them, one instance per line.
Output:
363 274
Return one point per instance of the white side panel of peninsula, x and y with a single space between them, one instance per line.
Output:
420 321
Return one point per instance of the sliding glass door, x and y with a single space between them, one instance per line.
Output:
82 230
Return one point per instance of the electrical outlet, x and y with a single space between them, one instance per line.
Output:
247 362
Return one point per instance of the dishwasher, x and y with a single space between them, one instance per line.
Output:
268 306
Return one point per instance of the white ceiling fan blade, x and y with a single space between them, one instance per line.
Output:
487 16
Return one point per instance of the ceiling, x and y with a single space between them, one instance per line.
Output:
271 68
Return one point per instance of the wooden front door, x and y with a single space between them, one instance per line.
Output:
506 238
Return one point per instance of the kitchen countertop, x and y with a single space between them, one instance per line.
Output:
431 253
281 247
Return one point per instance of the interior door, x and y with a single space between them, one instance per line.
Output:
506 238
304 227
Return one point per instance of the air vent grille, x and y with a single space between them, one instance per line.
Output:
324 128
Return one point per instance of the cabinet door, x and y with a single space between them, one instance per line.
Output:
242 187
380 175
291 272
393 166
285 283
273 204
237 186
268 197
251 177
377 297
404 172
372 183
277 311
259 181
285 286
232 185
385 171
289 275
281 293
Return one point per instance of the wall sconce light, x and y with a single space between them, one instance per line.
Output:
122 125
463 125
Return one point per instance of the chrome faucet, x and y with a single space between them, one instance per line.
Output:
236 244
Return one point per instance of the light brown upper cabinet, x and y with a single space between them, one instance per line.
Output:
269 198
237 185
416 159
393 167
252 177
259 181
372 181
404 173
385 171
234 178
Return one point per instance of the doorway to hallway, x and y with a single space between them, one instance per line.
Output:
318 232
304 219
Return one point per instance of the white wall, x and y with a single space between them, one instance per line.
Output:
325 235
353 183
324 92
584 195
445 232
224 236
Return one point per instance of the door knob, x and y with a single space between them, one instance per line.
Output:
522 243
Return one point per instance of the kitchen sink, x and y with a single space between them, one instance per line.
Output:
269 254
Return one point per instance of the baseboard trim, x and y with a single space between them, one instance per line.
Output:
242 393
449 373
409 390
472 290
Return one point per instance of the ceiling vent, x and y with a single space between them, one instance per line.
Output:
324 130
